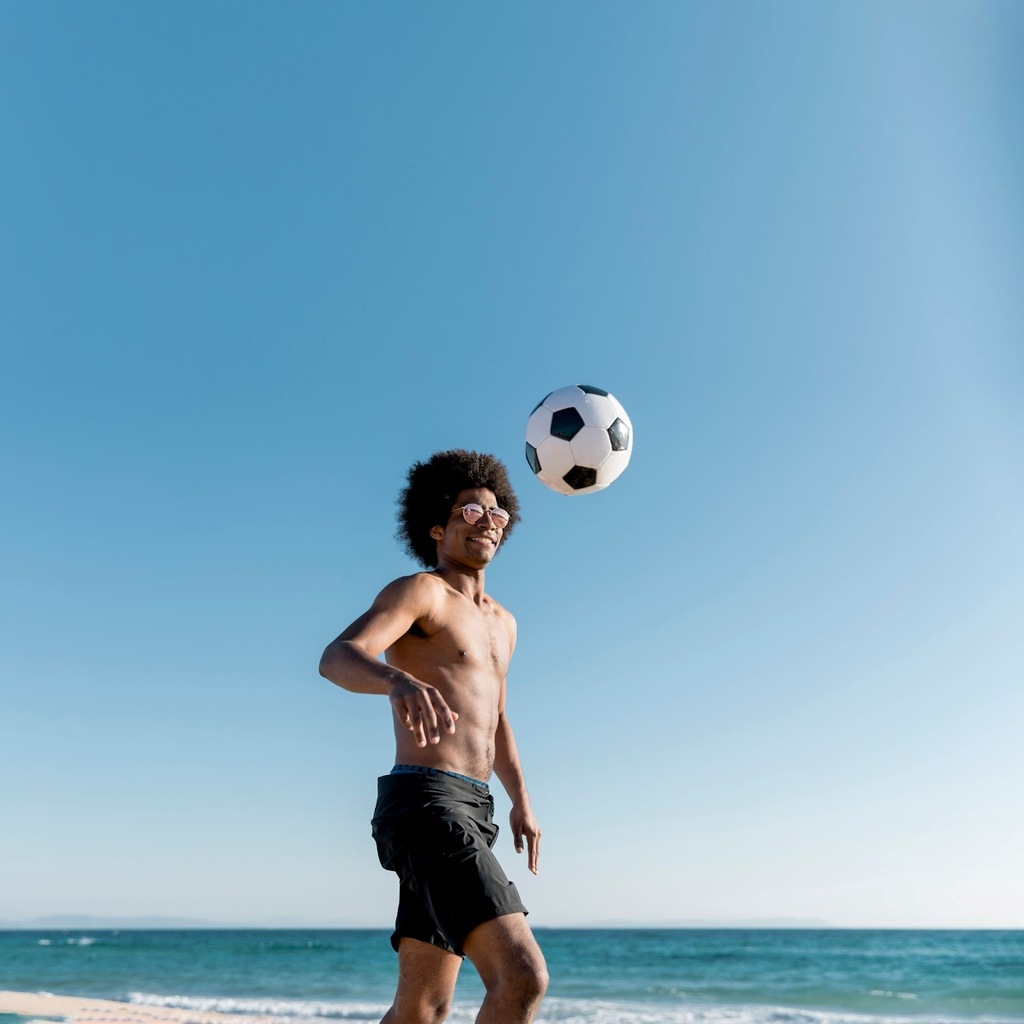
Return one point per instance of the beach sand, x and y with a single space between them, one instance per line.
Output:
77 1010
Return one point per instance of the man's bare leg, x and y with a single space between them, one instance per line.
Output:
426 982
512 968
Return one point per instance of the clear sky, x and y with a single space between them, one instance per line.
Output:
255 259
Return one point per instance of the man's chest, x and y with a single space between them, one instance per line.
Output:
480 642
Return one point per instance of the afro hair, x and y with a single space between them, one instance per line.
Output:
431 491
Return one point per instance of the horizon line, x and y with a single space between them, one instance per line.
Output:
82 922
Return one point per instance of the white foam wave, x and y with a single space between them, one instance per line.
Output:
285 1009
554 1010
594 1011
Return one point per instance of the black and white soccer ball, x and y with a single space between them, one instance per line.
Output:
578 439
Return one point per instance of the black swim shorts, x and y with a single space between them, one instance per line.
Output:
436 832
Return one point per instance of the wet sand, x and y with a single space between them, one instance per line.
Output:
78 1010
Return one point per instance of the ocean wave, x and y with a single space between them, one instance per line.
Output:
593 1011
554 1010
284 1009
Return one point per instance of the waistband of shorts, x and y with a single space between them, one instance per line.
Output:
422 769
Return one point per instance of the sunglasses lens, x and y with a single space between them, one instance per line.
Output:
474 513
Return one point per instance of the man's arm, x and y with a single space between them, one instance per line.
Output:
352 660
510 773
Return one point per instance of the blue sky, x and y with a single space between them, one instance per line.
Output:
256 259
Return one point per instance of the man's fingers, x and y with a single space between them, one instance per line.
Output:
444 713
421 721
430 721
416 722
415 725
531 835
444 718
534 844
424 713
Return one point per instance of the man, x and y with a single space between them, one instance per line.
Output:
447 645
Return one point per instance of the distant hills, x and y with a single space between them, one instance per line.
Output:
811 923
79 922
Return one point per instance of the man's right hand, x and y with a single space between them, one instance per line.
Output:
422 710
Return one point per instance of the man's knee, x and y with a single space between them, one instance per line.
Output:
508 959
425 1010
426 983
528 982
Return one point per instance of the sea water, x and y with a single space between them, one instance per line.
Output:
613 976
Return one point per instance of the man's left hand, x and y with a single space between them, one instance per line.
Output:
525 827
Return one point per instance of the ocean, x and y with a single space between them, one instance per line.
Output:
598 976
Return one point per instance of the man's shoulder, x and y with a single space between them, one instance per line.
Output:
426 580
417 587
510 619
507 617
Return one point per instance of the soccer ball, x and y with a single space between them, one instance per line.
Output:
578 440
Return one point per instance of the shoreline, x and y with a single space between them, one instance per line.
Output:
83 1010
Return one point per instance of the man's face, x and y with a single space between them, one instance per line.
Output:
470 544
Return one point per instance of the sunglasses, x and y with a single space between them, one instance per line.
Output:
473 513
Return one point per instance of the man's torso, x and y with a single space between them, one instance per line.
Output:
463 648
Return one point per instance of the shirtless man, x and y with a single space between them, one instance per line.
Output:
447 646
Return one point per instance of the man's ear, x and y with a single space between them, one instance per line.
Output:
437 532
